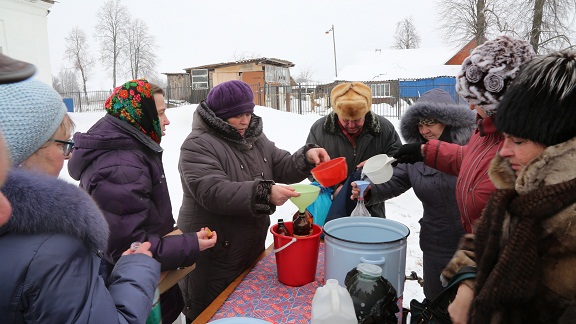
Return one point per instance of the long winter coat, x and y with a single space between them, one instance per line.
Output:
121 168
49 269
555 298
470 163
440 226
226 181
378 136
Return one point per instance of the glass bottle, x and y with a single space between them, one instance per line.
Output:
301 225
308 215
367 287
281 229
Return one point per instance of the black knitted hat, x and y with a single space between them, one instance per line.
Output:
541 103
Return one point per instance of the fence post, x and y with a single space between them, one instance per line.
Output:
299 99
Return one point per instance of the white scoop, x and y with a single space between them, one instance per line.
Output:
379 168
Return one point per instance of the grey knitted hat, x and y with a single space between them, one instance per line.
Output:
490 69
30 113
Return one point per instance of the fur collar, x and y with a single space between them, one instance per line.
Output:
206 120
45 205
460 119
371 124
554 165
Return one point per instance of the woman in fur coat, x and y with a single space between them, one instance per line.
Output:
52 244
435 115
228 169
525 243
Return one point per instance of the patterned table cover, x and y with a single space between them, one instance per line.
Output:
261 295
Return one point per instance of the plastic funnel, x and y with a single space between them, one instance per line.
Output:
362 185
332 172
308 193
378 168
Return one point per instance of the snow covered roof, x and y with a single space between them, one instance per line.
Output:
400 64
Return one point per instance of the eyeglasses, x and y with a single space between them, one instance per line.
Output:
66 146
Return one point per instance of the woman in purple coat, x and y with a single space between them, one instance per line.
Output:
119 163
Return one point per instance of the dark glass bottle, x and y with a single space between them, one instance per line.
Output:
301 225
308 215
281 229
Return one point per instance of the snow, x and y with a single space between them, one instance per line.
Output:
289 131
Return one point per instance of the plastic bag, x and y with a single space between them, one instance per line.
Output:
319 208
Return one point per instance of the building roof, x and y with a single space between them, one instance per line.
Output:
400 64
258 61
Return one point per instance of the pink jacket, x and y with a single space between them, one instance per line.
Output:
470 163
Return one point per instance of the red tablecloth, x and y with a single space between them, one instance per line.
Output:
261 295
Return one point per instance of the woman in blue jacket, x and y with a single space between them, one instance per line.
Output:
51 245
435 115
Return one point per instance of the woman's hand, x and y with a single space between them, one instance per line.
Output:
356 191
143 248
280 194
317 155
460 307
205 241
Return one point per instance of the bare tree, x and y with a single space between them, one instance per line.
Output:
406 35
139 48
546 23
110 31
305 75
65 81
77 52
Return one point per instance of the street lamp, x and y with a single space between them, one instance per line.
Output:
334 43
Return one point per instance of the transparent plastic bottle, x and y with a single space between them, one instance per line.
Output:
366 288
332 305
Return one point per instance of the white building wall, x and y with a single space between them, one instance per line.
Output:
24 34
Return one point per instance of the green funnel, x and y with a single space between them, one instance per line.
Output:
308 193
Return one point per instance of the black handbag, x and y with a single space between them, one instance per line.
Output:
436 311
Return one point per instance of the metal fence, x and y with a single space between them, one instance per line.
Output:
300 98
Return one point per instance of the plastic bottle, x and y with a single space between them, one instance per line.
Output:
367 287
332 305
281 229
301 225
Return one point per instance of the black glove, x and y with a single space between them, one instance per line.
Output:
409 153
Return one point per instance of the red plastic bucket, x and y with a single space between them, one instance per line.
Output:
296 257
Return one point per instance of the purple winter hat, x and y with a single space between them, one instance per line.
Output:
231 98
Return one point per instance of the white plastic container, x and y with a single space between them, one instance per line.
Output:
332 304
379 168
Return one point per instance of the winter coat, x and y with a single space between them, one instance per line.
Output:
49 247
121 168
440 225
470 163
378 136
226 181
553 267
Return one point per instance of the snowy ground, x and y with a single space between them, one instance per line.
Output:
289 132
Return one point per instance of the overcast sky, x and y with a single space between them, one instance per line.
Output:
191 32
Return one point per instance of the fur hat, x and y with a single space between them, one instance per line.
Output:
351 100
541 103
490 69
231 98
30 113
133 102
12 70
438 105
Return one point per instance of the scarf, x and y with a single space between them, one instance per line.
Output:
509 273
133 102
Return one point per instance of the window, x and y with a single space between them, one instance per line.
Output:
380 90
199 79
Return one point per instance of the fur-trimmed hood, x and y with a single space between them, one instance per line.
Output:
371 124
206 120
42 204
460 119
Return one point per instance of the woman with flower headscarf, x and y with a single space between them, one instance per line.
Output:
119 163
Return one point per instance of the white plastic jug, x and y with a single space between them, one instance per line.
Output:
332 304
